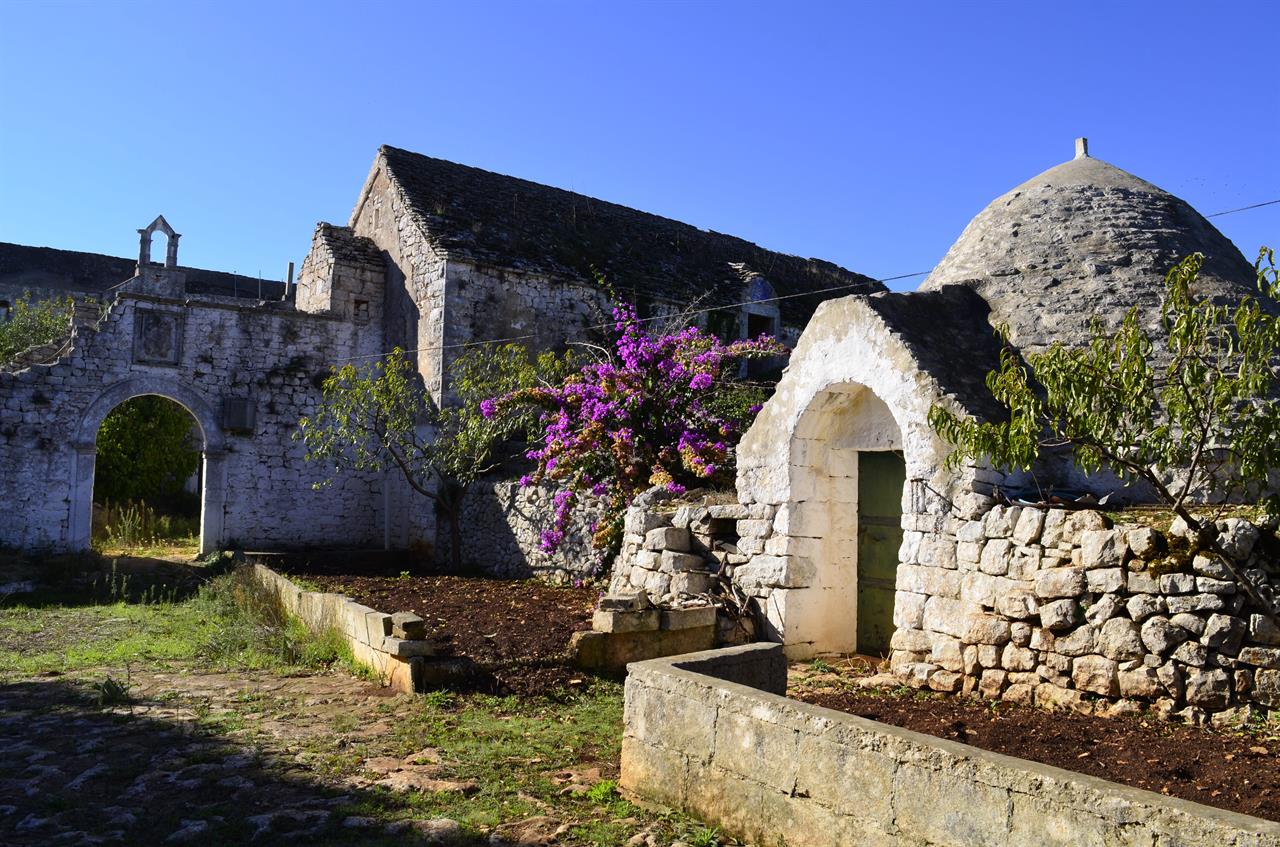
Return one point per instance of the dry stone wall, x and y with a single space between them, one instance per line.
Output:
678 551
1065 608
502 524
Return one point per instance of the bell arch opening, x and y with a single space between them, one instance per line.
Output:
848 480
156 247
205 437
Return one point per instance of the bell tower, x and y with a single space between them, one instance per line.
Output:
163 279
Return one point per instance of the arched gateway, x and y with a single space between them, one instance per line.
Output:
213 456
246 371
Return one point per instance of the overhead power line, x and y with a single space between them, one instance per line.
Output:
1243 209
529 336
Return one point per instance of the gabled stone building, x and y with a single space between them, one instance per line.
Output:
436 256
473 255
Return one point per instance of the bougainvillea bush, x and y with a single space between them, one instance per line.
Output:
663 410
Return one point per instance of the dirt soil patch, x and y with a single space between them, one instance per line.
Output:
516 631
1238 771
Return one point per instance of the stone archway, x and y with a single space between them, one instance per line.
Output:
847 523
213 452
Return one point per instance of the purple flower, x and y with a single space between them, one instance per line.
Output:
488 407
637 419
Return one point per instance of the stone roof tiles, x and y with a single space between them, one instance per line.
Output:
949 335
501 220
1082 240
94 273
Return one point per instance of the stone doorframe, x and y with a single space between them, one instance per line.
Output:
846 350
214 453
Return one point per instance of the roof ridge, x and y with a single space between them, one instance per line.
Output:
539 186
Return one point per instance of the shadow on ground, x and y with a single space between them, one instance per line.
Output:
90 578
77 769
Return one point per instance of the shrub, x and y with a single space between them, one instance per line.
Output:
663 410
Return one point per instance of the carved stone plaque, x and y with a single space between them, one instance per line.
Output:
157 337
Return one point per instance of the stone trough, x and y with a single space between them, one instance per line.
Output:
712 734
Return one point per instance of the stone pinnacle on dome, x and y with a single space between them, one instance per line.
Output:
1082 148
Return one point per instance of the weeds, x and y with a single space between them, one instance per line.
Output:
603 792
704 836
439 700
112 692
251 628
820 666
133 525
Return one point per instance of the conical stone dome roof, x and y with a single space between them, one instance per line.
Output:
1080 240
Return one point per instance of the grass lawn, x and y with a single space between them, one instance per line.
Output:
209 711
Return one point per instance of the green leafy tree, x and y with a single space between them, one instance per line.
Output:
146 452
32 323
1194 415
379 416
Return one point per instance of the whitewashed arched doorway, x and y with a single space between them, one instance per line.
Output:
847 483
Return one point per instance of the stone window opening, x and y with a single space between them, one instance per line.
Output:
723 324
360 311
758 325
757 321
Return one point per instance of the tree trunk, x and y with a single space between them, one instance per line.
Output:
1208 538
450 500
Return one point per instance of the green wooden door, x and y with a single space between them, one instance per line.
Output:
880 479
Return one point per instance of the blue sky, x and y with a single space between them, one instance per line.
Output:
865 134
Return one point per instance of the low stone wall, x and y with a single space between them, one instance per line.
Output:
619 637
1063 608
710 734
399 661
675 550
502 524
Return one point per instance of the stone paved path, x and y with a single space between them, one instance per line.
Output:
158 770
224 758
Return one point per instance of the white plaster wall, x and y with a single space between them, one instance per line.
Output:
851 385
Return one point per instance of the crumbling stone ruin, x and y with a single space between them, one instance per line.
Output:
435 256
245 370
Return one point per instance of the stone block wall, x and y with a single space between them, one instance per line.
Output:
709 734
377 640
676 551
343 275
1064 608
619 637
414 307
261 487
502 524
